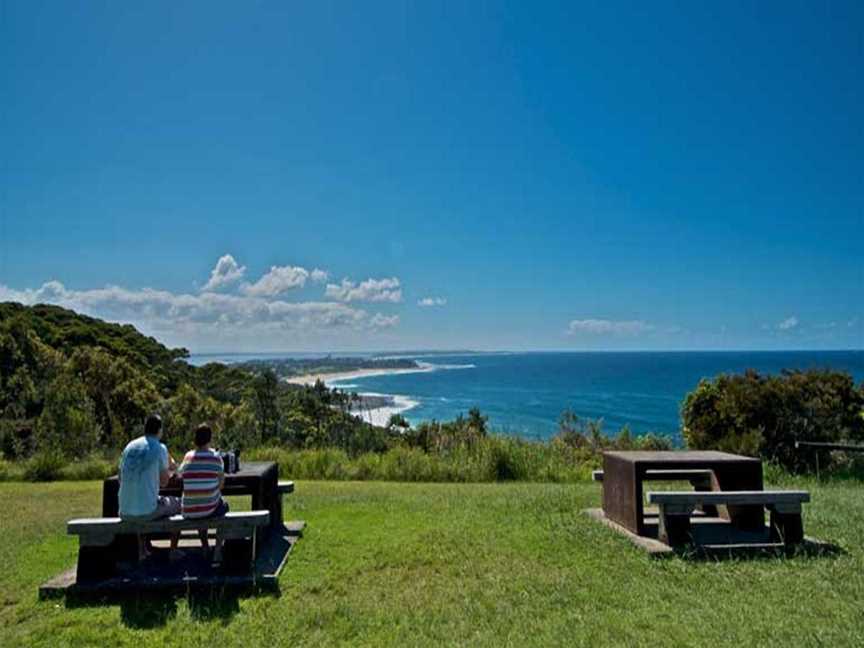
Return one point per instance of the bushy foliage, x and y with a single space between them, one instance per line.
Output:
121 394
26 366
67 425
66 331
761 415
45 465
587 436
108 377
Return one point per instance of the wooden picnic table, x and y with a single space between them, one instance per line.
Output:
624 472
260 479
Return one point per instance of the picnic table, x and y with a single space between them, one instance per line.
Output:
260 479
624 472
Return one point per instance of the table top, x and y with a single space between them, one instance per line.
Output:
680 456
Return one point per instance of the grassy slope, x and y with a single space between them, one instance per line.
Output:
480 564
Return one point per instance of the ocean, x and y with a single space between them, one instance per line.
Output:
525 393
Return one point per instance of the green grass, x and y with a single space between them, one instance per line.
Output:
471 564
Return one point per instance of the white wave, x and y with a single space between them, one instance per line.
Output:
380 416
444 367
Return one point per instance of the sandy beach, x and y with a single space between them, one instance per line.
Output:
394 404
374 415
329 378
381 415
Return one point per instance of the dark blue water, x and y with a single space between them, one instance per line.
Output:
525 393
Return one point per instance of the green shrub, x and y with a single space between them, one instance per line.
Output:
91 468
493 458
45 465
11 471
67 426
763 416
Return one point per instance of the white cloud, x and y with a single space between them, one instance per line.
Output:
278 280
371 290
207 315
432 301
788 324
318 275
226 272
608 327
380 321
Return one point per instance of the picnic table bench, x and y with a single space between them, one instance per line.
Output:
676 507
725 508
625 471
105 542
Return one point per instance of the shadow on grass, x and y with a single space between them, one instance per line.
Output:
809 549
142 611
148 610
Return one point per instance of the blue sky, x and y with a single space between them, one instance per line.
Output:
544 175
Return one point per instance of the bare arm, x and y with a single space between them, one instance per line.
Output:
166 474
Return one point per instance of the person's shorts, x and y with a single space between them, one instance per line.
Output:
221 509
166 506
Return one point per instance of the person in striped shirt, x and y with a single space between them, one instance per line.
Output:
203 478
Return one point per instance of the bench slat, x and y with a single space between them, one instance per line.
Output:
243 519
673 474
285 487
728 497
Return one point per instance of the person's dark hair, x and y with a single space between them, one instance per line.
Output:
203 435
153 425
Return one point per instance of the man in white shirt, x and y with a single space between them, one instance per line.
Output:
145 466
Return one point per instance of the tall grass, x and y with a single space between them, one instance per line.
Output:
493 459
50 466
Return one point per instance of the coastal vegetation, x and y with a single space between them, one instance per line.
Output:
292 367
74 390
763 416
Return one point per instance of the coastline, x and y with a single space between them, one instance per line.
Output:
392 403
378 416
330 378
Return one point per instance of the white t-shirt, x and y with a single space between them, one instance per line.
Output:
140 464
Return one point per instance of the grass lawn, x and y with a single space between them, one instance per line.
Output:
477 564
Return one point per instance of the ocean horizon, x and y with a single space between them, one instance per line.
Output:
524 393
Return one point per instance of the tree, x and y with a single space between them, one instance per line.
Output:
240 430
122 395
398 423
760 415
68 422
265 395
26 366
477 422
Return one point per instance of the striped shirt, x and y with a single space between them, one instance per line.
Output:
201 471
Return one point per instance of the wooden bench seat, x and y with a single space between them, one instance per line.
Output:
97 531
676 507
102 542
285 487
